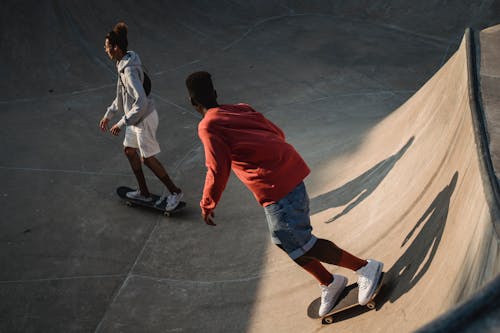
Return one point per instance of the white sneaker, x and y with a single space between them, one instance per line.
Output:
368 280
160 200
136 195
330 294
173 201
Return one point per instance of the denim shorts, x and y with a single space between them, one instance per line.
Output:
289 222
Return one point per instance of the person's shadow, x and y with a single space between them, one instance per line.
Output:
416 260
357 190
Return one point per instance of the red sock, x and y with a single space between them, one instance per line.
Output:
319 271
347 260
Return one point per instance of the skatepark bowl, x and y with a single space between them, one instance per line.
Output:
393 105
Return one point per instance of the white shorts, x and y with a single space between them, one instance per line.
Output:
143 136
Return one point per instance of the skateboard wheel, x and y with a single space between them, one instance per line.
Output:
128 203
371 305
327 320
167 214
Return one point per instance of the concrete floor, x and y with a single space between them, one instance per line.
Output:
373 95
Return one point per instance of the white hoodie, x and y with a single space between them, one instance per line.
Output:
130 98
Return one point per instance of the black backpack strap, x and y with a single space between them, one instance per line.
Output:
146 83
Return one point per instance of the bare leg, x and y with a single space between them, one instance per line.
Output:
161 173
136 164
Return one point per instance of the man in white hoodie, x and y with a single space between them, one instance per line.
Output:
140 118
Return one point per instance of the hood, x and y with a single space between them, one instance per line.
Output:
129 59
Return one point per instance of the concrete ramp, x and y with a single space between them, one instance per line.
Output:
380 98
415 195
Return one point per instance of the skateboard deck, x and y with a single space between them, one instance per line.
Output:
122 193
347 300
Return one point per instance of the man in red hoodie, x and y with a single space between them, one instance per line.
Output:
239 138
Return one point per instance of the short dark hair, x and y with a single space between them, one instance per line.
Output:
201 88
118 36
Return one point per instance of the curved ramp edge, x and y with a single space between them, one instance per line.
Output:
480 312
427 209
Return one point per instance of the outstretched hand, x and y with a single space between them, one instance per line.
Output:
115 130
103 124
209 218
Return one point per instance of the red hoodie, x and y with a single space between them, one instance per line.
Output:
238 137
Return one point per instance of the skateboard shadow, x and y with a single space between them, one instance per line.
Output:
357 190
350 313
420 252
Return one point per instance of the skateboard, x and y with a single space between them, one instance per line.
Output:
122 193
347 300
